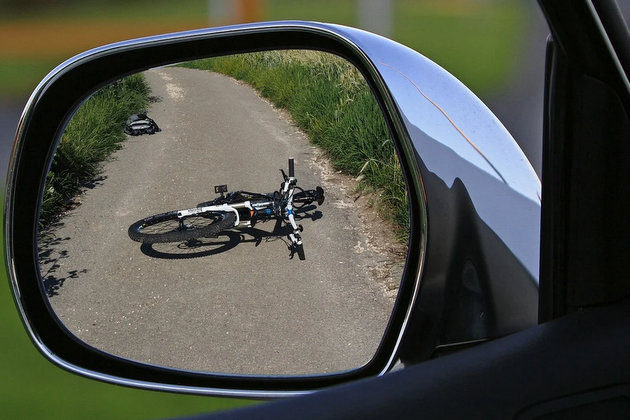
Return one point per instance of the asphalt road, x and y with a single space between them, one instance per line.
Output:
237 303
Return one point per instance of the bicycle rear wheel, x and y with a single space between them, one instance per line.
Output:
168 227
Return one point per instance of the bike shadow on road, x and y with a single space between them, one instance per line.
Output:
226 240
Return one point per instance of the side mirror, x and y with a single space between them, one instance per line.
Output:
470 215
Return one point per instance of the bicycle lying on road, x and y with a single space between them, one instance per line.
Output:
236 209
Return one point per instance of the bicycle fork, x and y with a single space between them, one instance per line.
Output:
296 238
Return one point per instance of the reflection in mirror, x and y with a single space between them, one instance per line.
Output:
242 214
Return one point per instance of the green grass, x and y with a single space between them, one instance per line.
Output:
20 76
478 44
92 135
330 101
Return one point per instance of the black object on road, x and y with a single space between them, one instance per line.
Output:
139 124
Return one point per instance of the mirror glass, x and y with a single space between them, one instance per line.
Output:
243 214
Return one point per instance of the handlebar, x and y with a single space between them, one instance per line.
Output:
283 206
308 196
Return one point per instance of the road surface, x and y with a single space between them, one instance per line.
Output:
237 303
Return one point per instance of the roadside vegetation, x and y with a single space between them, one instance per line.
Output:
93 133
331 102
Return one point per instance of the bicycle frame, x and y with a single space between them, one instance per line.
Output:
265 208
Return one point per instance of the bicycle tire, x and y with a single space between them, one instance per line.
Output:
166 227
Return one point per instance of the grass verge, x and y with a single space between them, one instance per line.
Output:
331 102
93 133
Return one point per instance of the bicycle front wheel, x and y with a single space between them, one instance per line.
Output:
168 227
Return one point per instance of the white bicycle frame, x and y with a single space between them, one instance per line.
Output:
288 187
